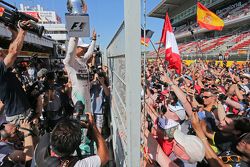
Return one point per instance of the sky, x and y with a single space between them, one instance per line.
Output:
106 16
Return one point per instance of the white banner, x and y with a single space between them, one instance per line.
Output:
77 25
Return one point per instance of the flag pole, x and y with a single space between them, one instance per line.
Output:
197 44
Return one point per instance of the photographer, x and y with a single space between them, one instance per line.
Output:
65 140
99 93
12 151
12 94
75 62
53 101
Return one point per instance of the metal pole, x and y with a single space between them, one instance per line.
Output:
197 44
132 13
144 68
248 53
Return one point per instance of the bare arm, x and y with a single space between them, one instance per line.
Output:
14 48
181 96
105 88
28 141
221 111
102 149
233 103
156 151
210 155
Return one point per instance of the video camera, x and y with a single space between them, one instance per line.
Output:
10 16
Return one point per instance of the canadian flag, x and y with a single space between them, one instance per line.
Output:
172 54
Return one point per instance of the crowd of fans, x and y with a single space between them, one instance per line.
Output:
53 116
199 118
58 116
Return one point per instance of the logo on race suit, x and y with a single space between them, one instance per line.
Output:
1 11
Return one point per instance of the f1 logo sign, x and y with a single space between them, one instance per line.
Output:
77 25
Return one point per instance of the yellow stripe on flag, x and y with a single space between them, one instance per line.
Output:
207 19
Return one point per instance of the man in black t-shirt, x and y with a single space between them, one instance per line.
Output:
12 95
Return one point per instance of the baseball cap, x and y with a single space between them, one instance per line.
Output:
178 109
192 144
165 123
244 88
246 75
168 125
42 72
82 44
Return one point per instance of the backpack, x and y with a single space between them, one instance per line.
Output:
43 158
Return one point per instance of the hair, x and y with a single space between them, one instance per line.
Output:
213 91
241 123
3 134
245 137
66 137
174 97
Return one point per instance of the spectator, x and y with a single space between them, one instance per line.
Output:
12 151
16 104
99 97
229 158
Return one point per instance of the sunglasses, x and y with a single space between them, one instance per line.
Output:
230 158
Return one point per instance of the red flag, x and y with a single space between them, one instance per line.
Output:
172 54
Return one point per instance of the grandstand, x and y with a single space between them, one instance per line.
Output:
233 41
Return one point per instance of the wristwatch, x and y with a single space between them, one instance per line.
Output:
27 135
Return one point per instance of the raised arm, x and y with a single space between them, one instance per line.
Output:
15 47
211 157
102 149
91 48
180 94
71 50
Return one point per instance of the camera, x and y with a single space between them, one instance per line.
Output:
60 78
11 17
222 97
97 71
79 112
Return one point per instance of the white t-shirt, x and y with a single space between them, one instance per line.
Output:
93 161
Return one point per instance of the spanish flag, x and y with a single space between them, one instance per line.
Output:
207 19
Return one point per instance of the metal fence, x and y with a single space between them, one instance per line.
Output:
117 68
124 61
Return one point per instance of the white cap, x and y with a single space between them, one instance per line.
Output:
82 44
192 144
178 109
246 75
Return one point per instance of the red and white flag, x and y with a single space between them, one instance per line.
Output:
172 54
